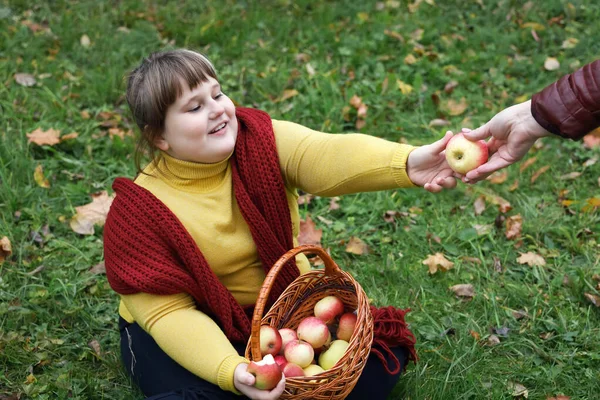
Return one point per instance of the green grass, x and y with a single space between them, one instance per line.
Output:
48 318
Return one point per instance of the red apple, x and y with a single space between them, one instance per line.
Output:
292 369
346 326
464 155
280 360
328 308
270 340
266 372
299 352
287 335
314 331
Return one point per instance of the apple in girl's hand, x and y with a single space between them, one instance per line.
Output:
328 308
346 326
266 372
287 335
464 155
313 369
314 331
292 369
336 350
299 352
270 340
280 360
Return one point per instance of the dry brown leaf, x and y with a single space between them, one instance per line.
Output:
68 136
514 186
355 101
527 163
595 300
590 162
479 205
39 178
438 122
85 41
95 345
591 204
498 177
5 249
475 335
559 397
570 175
531 259
394 35
592 139
305 198
456 107
493 340
497 265
287 94
551 64
539 172
357 246
438 260
91 214
40 137
309 233
450 86
483 229
514 225
97 269
517 390
410 59
25 79
333 204
463 290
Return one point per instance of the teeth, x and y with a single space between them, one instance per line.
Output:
218 128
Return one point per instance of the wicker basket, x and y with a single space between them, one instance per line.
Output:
296 303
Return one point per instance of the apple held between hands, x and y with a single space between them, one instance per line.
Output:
464 155
267 373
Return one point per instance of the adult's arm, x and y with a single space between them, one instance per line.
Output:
570 107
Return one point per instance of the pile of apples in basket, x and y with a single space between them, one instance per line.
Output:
306 351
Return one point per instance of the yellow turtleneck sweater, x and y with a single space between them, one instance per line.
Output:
201 196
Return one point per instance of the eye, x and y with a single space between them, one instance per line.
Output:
220 94
194 109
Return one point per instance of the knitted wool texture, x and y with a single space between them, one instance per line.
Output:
147 249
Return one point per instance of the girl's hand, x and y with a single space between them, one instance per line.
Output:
426 166
244 381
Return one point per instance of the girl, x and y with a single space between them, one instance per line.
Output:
189 242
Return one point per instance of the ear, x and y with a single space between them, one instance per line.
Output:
161 143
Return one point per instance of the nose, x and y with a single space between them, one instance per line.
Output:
217 109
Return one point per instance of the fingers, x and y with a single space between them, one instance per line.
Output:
480 133
440 183
483 171
439 146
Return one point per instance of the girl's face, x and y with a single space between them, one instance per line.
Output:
201 125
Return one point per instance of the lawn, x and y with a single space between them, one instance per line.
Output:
527 240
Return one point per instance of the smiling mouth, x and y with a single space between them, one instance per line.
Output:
218 128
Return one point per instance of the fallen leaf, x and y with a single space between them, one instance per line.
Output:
95 345
97 269
591 204
68 136
539 172
450 86
513 226
527 163
25 79
438 122
498 177
85 41
475 335
592 139
463 290
91 214
514 186
479 205
5 249
305 198
404 87
520 314
497 265
569 43
357 246
559 397
471 259
39 178
483 229
40 137
595 300
517 390
309 233
410 59
571 175
355 101
590 162
551 64
531 259
333 204
394 35
456 107
493 340
438 260
287 94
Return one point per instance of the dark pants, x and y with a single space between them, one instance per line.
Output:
161 378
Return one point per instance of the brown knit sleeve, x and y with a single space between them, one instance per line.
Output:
570 107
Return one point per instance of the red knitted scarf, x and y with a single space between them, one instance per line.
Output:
138 221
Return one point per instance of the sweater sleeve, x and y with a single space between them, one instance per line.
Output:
335 164
187 335
570 107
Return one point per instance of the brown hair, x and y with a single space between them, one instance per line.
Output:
156 84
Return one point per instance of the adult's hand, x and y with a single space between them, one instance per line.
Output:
244 381
513 131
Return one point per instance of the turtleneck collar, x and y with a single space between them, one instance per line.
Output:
190 176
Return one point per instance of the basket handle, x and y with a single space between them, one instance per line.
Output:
331 268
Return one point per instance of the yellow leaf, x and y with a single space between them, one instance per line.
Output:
456 107
357 246
40 137
91 214
533 25
498 177
539 172
287 94
85 41
463 290
551 64
527 163
5 249
531 259
410 59
39 178
438 260
570 43
405 88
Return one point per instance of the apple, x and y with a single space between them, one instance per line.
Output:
464 155
299 352
328 308
346 326
325 346
287 335
280 360
270 340
313 369
314 331
332 355
292 369
266 372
